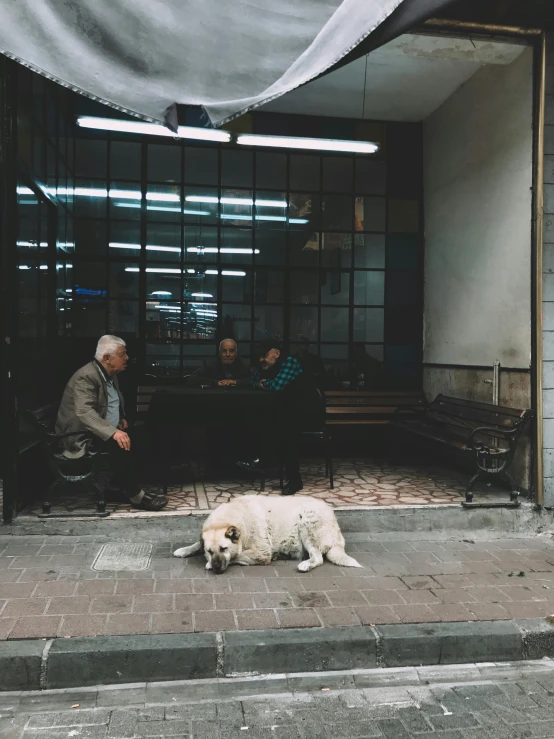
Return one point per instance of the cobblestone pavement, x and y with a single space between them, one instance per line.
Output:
48 587
461 702
359 483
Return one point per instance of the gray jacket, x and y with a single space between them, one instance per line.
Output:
84 407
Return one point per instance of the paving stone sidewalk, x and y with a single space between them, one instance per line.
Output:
48 588
453 704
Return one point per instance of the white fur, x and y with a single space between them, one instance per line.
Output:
271 528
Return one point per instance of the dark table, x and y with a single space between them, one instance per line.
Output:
239 414
194 406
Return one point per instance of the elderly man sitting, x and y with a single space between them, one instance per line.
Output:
93 404
224 370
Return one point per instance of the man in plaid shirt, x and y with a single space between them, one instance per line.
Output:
283 375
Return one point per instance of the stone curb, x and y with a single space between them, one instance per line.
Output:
108 660
451 519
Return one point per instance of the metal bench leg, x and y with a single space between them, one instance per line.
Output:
46 504
514 489
329 461
469 490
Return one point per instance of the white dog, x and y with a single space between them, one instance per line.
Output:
253 530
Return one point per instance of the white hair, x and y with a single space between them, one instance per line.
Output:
107 345
224 340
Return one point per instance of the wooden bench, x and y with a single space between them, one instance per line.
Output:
369 407
29 435
489 433
37 428
344 407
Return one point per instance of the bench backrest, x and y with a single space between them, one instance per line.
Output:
464 415
369 406
33 424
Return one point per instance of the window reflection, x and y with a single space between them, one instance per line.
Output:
369 250
337 174
304 287
303 323
336 249
334 324
163 242
335 287
201 165
124 280
123 317
237 322
163 202
368 324
369 288
125 200
201 205
163 360
268 322
336 213
164 162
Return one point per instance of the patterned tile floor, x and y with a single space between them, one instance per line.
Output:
359 483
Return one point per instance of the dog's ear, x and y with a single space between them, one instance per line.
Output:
232 533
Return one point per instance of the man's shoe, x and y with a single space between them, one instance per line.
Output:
151 502
254 466
290 488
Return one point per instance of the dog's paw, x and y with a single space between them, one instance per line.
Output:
182 552
208 566
304 566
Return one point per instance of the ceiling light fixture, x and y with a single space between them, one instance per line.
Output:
235 201
294 142
153 129
171 271
149 247
223 250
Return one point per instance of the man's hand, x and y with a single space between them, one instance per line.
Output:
122 439
123 425
226 383
261 384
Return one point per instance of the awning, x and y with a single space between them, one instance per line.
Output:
228 56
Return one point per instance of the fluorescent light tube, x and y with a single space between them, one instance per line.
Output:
149 247
235 201
293 142
153 129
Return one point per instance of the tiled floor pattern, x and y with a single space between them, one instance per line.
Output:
48 587
359 483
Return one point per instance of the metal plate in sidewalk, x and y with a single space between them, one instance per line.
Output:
123 557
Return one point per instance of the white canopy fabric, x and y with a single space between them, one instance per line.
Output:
229 56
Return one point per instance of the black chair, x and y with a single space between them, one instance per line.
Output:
314 427
89 473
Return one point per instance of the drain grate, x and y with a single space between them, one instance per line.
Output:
123 557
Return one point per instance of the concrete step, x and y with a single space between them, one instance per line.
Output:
416 521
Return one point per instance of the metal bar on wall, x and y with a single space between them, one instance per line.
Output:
8 298
537 256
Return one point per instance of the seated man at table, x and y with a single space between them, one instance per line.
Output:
285 376
311 363
225 370
92 404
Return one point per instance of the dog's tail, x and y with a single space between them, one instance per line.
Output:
338 556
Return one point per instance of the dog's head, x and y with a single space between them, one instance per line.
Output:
221 546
